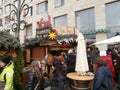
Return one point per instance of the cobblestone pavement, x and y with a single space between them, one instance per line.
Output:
67 88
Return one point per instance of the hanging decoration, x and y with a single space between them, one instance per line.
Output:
44 21
52 35
54 30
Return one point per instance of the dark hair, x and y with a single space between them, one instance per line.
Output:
109 50
56 63
58 66
6 59
101 62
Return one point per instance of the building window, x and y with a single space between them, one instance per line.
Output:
30 12
59 3
28 1
7 21
85 19
1 11
113 14
42 7
60 20
7 8
1 1
29 31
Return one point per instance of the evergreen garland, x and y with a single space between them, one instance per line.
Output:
7 42
38 40
18 70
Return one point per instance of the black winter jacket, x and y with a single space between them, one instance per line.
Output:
32 81
58 82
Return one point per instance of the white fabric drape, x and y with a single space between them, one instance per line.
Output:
81 58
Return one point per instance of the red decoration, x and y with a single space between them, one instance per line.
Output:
44 23
49 20
40 23
54 30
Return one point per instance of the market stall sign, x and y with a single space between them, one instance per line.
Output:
44 26
105 30
43 32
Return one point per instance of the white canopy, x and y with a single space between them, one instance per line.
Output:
113 40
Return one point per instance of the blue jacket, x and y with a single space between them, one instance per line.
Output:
99 78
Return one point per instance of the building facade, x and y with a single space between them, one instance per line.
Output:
96 19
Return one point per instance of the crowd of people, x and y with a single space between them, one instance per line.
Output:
105 65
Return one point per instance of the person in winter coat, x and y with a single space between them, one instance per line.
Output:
7 74
95 56
103 76
118 69
36 79
70 61
58 80
108 59
90 59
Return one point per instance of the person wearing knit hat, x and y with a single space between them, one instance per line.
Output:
103 53
6 76
108 60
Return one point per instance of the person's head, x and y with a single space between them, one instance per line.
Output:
43 65
36 68
101 62
57 65
89 48
71 51
5 60
109 51
61 58
35 64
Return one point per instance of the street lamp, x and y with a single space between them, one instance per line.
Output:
17 12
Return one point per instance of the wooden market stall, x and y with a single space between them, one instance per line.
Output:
38 47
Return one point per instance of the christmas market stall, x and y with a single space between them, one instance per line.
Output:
37 48
49 39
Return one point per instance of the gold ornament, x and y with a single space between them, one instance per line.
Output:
52 35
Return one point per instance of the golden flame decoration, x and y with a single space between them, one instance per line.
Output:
52 35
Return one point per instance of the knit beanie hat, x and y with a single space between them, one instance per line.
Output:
6 59
103 53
